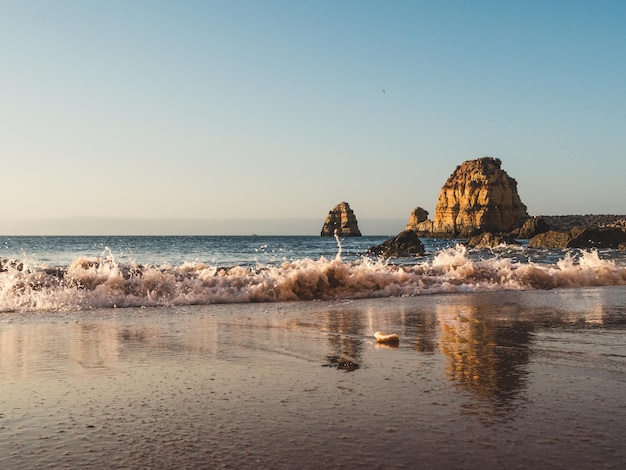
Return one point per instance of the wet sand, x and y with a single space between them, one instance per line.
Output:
494 380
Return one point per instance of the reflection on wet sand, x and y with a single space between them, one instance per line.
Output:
487 347
25 348
485 356
426 331
345 338
228 385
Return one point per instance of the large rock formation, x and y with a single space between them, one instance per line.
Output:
478 197
342 221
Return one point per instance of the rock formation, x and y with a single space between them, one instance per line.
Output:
490 240
533 227
587 237
478 197
405 244
418 216
342 221
565 223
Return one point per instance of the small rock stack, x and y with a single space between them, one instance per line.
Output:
342 221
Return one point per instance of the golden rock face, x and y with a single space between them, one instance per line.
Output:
342 221
417 217
478 197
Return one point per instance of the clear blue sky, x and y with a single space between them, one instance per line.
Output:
146 111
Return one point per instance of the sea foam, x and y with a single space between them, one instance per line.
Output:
101 282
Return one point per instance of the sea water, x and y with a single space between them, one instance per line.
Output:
82 273
258 352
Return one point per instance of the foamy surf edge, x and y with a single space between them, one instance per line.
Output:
92 283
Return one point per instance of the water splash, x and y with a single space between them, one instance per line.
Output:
102 282
338 256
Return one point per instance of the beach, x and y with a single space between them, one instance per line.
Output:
505 379
313 235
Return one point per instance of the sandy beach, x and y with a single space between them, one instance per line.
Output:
484 380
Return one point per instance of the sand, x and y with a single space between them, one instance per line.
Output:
494 380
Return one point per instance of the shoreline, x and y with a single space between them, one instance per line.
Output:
479 380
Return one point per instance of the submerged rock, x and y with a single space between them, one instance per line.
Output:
405 244
341 221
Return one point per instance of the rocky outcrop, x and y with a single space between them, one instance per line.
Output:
478 197
533 227
418 216
405 244
490 240
566 223
341 221
587 237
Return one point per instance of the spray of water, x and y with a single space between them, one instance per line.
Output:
102 282
338 257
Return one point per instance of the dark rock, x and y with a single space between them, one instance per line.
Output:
565 223
490 240
341 363
549 239
533 227
405 244
588 237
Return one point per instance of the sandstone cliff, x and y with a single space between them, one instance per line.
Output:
478 197
342 220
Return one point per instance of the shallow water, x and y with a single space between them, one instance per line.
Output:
488 380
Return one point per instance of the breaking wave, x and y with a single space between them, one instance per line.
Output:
90 283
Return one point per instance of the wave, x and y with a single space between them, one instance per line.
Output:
91 283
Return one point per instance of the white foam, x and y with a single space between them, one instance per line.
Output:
90 283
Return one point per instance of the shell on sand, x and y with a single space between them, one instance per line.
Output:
383 338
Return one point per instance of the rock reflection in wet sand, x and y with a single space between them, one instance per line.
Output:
483 380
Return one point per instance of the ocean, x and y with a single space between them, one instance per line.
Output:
259 353
55 274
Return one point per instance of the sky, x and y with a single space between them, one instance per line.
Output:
239 117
